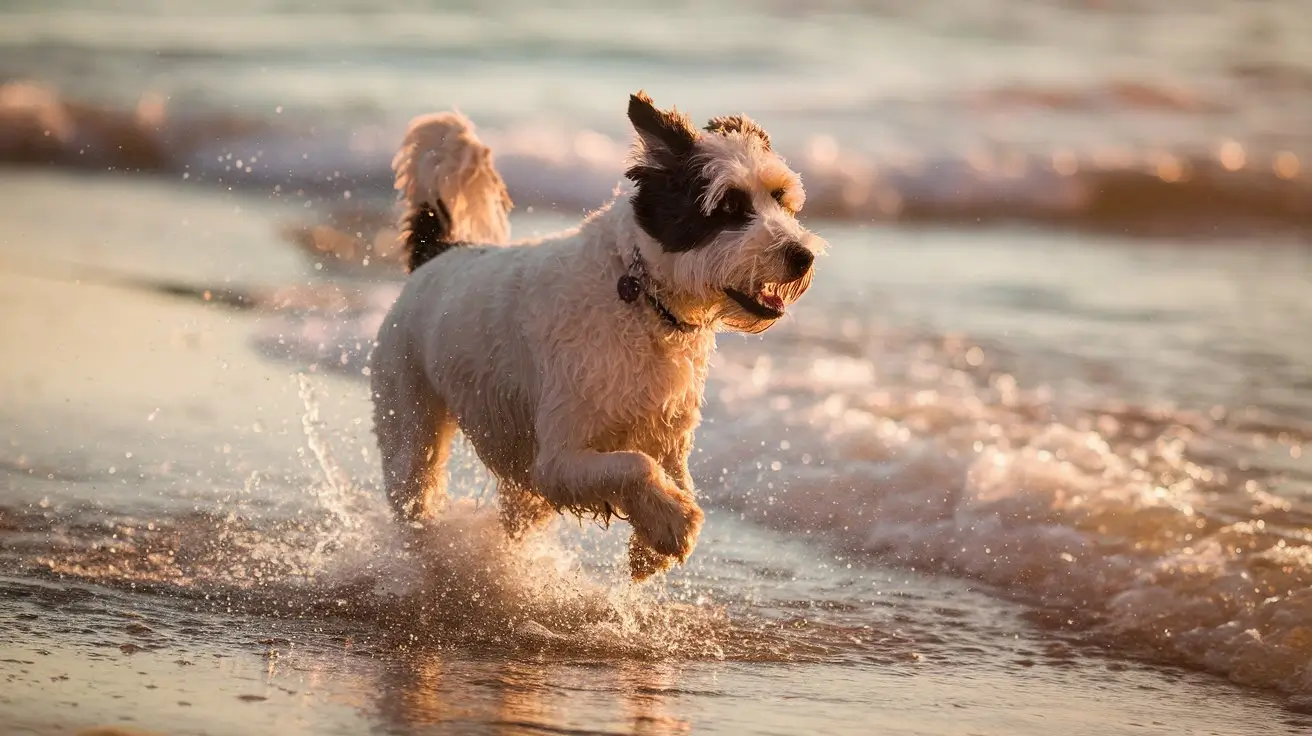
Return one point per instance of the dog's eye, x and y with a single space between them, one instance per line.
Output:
735 203
778 196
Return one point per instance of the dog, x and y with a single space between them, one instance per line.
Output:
575 365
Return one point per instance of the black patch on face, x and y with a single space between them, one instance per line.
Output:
738 124
670 188
667 206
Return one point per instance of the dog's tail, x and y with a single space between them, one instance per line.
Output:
450 190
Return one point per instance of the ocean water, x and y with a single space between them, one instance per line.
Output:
1111 114
1032 454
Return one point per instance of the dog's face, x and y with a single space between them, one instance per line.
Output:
723 206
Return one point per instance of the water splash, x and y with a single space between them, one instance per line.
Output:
453 580
339 489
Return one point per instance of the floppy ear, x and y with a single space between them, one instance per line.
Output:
660 130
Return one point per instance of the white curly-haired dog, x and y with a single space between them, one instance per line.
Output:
575 365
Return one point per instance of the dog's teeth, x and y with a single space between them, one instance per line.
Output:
768 299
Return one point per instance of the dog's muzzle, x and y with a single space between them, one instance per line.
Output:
765 305
767 301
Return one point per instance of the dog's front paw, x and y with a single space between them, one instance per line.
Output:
645 561
668 520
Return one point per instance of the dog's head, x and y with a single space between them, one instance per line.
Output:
722 205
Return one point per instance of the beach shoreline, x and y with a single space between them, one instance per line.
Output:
129 406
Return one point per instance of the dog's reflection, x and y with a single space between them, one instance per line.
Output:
430 693
646 694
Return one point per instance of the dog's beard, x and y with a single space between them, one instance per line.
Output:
740 314
738 282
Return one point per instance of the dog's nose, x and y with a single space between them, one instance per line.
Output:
799 260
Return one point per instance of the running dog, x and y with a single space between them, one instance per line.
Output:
575 365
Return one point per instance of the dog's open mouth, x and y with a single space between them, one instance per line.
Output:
766 304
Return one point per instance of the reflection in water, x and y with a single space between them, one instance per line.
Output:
425 690
644 699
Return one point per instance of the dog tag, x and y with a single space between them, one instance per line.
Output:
629 288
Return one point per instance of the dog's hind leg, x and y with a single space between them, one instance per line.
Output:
521 511
415 431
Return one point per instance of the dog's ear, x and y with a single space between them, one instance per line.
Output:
661 130
738 124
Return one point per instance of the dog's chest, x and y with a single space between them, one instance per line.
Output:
650 394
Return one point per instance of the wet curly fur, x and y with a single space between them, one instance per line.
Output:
578 398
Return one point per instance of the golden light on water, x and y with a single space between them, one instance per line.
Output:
1065 163
1232 155
1113 157
823 149
981 159
1169 168
1014 164
1286 165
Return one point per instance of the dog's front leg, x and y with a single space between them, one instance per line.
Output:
663 515
674 461
643 560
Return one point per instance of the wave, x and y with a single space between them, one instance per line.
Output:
1139 190
1143 529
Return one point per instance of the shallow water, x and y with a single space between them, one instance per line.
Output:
922 514
986 479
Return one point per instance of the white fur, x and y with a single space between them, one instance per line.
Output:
575 400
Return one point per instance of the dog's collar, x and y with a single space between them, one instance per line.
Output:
635 282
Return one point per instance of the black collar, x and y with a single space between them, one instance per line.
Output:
635 283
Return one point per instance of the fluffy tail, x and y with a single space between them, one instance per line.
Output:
450 189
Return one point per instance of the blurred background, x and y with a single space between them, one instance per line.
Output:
1034 446
1110 114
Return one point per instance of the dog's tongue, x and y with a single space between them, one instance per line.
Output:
773 301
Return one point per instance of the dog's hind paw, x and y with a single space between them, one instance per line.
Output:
668 521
